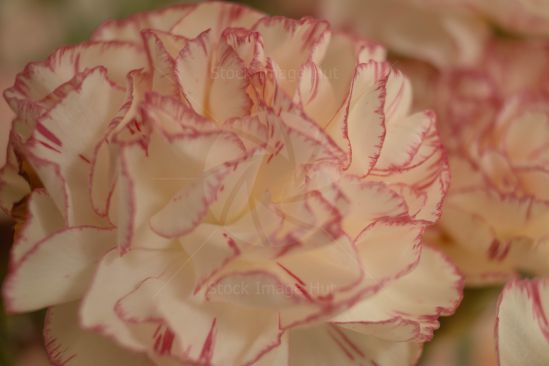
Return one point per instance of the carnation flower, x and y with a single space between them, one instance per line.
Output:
522 329
495 122
217 187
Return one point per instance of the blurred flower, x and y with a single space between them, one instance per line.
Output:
227 188
443 32
495 123
446 33
522 329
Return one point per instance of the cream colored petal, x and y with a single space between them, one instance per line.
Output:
522 329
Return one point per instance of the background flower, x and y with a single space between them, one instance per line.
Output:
445 33
495 128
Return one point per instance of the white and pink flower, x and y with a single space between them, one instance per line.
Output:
223 188
495 124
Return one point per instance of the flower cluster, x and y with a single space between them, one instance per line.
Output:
192 204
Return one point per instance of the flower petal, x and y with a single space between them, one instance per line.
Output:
379 243
68 344
366 202
115 277
535 182
57 269
129 29
197 194
192 71
316 94
228 97
55 139
39 80
326 345
403 140
290 43
522 328
162 64
219 335
433 288
216 16
42 220
13 187
359 126
187 208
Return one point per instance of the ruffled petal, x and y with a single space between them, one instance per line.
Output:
359 127
37 84
291 43
315 94
57 269
162 61
216 16
228 97
384 238
365 202
114 278
219 335
129 29
433 288
193 73
69 150
403 140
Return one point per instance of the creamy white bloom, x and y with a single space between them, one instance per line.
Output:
226 188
